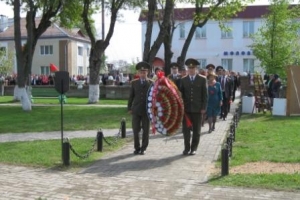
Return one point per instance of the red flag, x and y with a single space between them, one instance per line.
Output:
188 121
53 68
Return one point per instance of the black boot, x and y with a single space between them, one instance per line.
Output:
214 122
209 125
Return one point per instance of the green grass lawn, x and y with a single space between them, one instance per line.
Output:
48 118
48 153
71 100
262 137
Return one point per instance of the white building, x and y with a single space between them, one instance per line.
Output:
212 45
68 49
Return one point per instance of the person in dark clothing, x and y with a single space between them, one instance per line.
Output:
276 85
137 107
175 76
193 88
226 86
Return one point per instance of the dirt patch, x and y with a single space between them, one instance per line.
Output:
266 168
261 168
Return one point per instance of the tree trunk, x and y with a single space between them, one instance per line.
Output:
148 35
168 49
95 63
162 32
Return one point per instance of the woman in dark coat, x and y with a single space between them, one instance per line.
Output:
214 101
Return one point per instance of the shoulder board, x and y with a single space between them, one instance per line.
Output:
150 80
201 76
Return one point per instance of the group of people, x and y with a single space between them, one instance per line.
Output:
205 96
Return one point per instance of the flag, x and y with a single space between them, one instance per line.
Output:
53 68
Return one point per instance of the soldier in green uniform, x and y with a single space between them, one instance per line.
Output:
175 76
194 94
137 107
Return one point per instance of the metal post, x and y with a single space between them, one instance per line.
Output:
225 162
232 130
123 128
235 119
62 120
100 141
229 146
66 153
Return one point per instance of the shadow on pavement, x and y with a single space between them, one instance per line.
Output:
124 163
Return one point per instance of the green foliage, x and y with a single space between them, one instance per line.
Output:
6 62
70 15
218 10
276 42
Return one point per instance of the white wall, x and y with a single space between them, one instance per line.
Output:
212 47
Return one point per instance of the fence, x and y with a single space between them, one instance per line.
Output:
97 144
227 147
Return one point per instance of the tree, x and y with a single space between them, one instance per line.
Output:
276 44
163 35
99 46
35 27
219 10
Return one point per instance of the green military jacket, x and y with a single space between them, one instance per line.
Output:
138 96
194 93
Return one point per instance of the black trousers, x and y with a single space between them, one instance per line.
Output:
140 122
225 106
196 119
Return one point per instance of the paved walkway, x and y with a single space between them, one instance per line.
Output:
162 174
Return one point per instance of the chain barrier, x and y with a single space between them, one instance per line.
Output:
85 155
117 136
227 149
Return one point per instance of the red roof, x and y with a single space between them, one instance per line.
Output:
250 12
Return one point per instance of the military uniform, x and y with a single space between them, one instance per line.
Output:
175 77
137 105
194 94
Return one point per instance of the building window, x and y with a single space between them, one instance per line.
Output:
202 63
227 64
80 70
248 28
80 51
200 32
87 51
46 49
248 65
182 30
45 70
228 32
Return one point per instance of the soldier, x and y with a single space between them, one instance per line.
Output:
137 107
194 94
210 68
156 71
175 76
